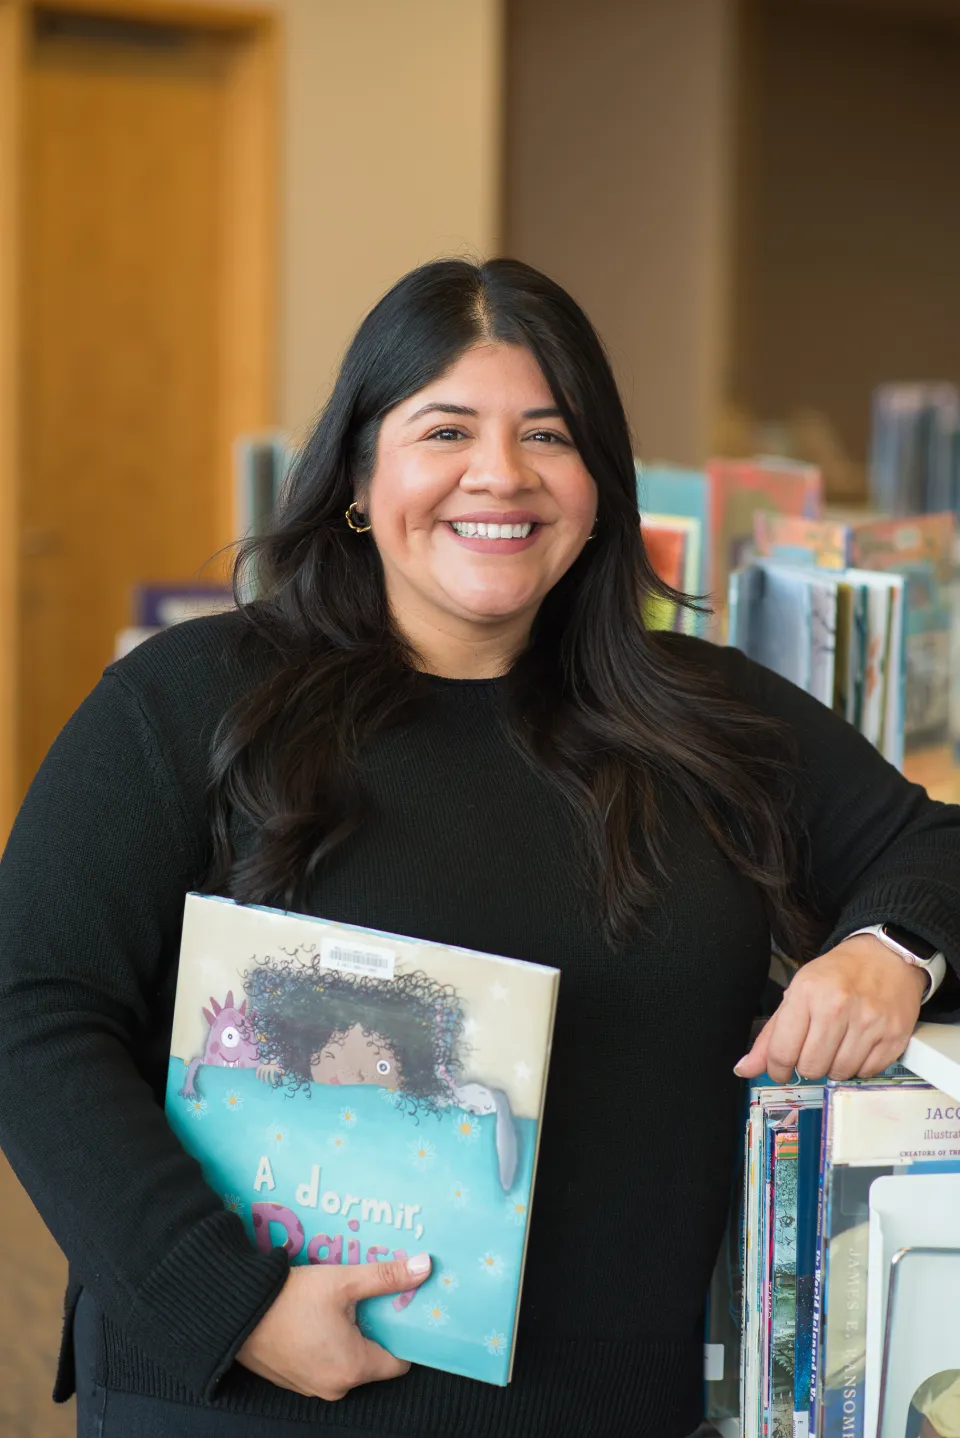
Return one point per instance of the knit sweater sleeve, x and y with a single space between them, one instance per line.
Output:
92 887
880 849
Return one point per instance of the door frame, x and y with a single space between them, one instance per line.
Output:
247 344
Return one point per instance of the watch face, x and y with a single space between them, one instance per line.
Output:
906 940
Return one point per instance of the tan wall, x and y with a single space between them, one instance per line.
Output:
618 184
391 136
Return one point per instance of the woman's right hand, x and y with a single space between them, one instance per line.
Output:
308 1339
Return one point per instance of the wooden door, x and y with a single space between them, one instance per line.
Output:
123 243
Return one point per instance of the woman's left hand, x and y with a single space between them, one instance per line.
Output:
848 1014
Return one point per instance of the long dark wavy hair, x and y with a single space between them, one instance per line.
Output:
298 1006
607 711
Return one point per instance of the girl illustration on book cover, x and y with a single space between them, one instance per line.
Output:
405 1034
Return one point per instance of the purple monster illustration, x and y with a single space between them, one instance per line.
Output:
230 1043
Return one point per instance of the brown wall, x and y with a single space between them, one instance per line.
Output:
618 184
855 222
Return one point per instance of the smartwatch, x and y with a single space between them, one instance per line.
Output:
919 952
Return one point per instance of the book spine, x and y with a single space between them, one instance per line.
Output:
808 1189
816 1328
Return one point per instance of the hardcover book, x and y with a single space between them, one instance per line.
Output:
891 1176
355 1095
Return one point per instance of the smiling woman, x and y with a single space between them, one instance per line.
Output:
431 727
478 466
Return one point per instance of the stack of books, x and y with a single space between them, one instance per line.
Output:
862 615
698 525
840 1272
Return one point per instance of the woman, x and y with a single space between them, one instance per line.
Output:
444 717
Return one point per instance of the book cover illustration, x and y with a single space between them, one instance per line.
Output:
783 1296
874 1131
739 490
354 1095
663 489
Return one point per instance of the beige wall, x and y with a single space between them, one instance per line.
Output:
618 184
391 140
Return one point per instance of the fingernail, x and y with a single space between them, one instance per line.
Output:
419 1263
736 1067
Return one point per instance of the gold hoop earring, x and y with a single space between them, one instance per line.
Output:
351 517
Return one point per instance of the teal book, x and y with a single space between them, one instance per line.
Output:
355 1095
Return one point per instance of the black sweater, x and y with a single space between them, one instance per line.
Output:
464 844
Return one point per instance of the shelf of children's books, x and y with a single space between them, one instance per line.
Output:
937 770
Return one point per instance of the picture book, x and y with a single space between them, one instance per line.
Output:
674 544
838 634
783 1278
919 548
739 490
920 1379
681 493
355 1095
875 1131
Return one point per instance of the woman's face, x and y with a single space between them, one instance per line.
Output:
482 446
352 1056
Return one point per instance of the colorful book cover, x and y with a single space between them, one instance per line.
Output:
665 490
739 490
666 547
354 1095
674 545
783 1278
874 1131
921 549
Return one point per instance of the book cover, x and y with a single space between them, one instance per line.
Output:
354 1095
874 1131
783 1283
921 1348
739 490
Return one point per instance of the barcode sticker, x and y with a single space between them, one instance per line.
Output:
372 960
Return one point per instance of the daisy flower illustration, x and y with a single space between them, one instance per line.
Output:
348 1117
495 1343
422 1153
233 1203
460 1195
197 1107
232 1100
437 1315
449 1282
338 1142
516 1211
467 1129
278 1134
492 1263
